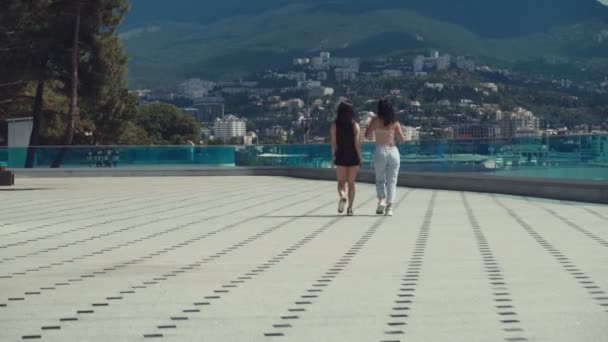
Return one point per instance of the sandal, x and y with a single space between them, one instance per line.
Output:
341 205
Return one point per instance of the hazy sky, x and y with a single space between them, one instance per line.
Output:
605 2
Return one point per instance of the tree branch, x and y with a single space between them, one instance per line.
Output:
29 97
12 84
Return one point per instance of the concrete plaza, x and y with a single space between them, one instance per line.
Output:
268 259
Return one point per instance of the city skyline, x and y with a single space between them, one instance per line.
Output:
310 84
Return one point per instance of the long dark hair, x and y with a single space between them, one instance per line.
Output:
346 114
386 112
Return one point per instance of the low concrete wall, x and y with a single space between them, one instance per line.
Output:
7 178
149 172
569 190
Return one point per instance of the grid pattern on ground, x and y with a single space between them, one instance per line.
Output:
268 259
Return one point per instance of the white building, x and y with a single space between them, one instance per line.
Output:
322 76
345 75
444 103
297 76
520 122
229 127
317 63
465 63
466 103
301 76
435 86
321 91
490 86
325 56
309 84
195 88
294 105
250 138
277 131
419 63
410 133
444 62
434 62
321 62
301 61
345 63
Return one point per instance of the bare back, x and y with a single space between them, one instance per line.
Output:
385 135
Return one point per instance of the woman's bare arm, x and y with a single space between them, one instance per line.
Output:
358 142
399 132
370 128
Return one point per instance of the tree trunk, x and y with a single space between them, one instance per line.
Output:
68 137
37 124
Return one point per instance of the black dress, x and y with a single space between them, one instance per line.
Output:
346 152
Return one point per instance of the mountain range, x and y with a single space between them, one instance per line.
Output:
169 40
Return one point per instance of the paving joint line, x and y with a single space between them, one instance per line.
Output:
31 229
571 224
104 222
596 293
406 293
118 231
503 300
149 256
272 262
218 255
336 269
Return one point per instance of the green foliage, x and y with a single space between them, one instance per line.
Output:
495 17
215 142
110 116
24 45
272 140
166 124
133 134
237 42
235 141
36 40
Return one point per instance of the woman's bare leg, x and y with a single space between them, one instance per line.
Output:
341 174
352 190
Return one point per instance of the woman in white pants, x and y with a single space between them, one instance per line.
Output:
386 157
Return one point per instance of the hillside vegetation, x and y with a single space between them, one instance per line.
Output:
169 41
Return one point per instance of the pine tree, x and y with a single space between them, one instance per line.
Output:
71 46
94 24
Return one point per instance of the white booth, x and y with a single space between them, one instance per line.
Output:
19 131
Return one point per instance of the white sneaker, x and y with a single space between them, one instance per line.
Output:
341 205
389 211
381 207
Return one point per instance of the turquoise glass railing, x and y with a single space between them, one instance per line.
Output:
567 157
3 157
122 156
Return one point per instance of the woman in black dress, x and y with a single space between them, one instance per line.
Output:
346 153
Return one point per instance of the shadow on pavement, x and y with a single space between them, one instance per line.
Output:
317 216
